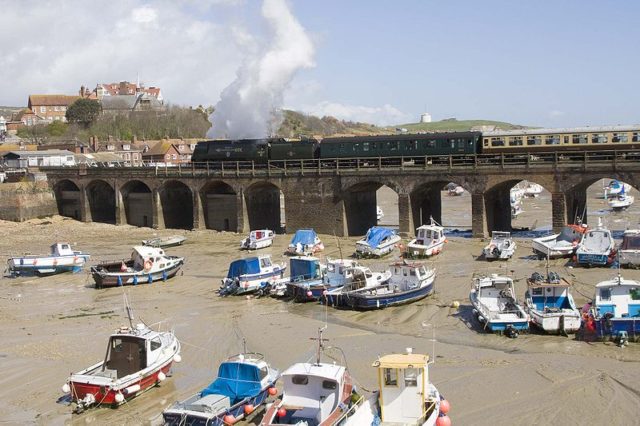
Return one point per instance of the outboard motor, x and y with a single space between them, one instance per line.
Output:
537 277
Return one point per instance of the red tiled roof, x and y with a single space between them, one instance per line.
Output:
51 100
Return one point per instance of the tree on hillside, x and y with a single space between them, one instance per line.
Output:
83 111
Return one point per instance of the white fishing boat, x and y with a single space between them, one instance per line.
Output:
336 274
354 279
629 249
620 201
615 187
455 190
379 213
146 265
377 242
243 384
305 242
549 303
532 190
616 309
316 393
516 209
597 247
62 258
406 395
501 246
251 274
496 306
164 242
137 359
258 239
429 241
563 244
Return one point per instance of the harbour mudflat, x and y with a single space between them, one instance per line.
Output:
56 325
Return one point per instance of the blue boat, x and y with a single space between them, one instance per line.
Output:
496 307
408 283
377 242
616 309
597 247
305 242
338 272
244 382
250 274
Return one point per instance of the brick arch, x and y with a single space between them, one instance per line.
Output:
137 199
176 200
264 200
68 195
219 201
101 199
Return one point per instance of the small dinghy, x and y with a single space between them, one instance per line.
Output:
559 245
147 264
305 242
501 246
314 393
597 247
620 201
408 283
164 242
550 304
429 241
138 358
258 239
377 242
337 273
250 274
616 309
61 259
406 395
244 382
629 249
496 307
361 278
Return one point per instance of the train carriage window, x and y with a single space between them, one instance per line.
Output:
534 140
598 138
452 143
579 139
565 139
461 143
365 146
515 141
635 137
486 143
356 147
552 140
431 143
497 141
620 138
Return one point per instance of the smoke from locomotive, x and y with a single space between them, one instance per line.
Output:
250 106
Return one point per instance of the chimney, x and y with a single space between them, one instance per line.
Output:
134 139
94 143
82 91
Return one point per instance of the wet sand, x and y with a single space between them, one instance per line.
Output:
53 326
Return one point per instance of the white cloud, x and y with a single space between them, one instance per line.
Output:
384 115
55 47
556 113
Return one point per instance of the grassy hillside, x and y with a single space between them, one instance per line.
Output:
454 125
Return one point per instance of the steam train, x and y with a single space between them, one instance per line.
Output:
420 144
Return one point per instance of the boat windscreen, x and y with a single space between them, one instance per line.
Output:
250 265
569 234
630 242
236 380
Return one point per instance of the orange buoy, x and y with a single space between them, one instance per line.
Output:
273 391
443 421
445 406
282 412
229 419
248 409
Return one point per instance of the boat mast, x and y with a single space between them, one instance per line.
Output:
320 343
128 309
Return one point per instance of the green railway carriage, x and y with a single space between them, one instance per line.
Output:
285 149
404 145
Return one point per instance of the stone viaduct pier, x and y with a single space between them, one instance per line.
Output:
337 198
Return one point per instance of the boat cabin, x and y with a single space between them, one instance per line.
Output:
339 271
428 234
62 249
130 351
260 234
403 381
406 276
551 294
618 297
305 268
311 392
142 254
248 266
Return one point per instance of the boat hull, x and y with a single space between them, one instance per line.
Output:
497 322
255 245
557 322
302 292
363 250
610 329
593 259
48 265
371 301
417 251
117 279
629 257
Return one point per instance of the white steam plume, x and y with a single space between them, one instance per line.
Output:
249 107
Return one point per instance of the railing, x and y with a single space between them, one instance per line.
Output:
584 160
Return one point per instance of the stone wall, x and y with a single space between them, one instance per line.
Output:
26 200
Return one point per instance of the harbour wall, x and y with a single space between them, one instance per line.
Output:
26 200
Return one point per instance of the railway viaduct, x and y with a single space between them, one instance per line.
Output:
340 199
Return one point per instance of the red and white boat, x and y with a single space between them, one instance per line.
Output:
137 359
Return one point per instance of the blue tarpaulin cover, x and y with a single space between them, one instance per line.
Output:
304 269
250 265
304 236
236 380
376 235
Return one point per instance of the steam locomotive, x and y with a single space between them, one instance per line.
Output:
420 144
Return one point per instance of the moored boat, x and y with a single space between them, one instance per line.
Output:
147 264
620 201
501 246
305 242
250 274
408 283
429 241
615 187
532 189
455 190
379 213
616 309
337 273
597 247
563 244
496 306
62 258
550 305
302 270
258 239
137 359
629 249
244 382
165 242
358 278
378 242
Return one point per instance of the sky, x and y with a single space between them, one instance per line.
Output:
541 63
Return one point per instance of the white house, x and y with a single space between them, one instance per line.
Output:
50 157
